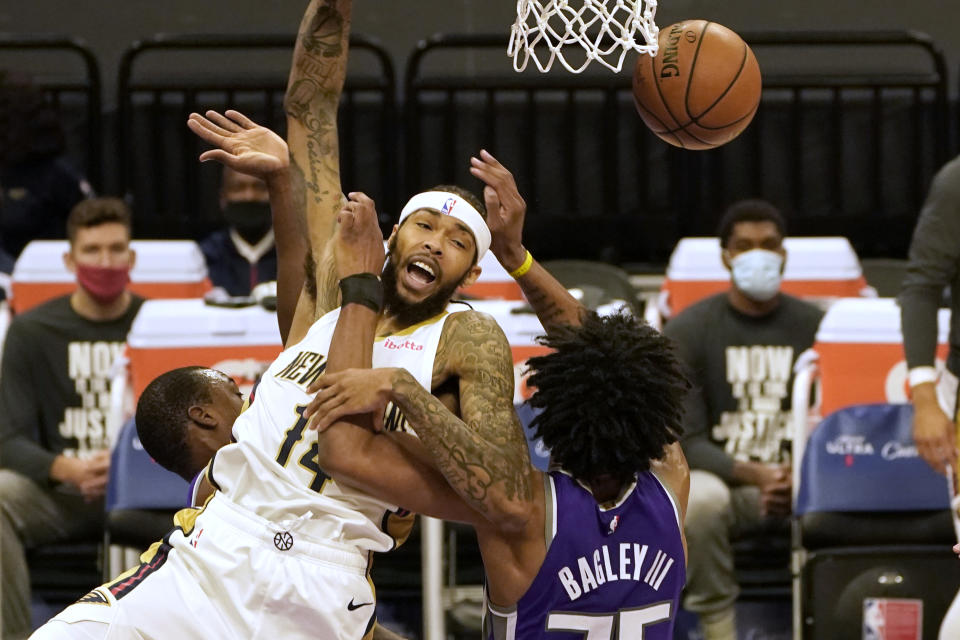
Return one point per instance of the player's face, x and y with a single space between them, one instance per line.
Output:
747 236
105 245
227 401
431 253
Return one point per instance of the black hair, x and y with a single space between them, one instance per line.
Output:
162 415
612 396
749 211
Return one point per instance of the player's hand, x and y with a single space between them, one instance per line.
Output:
506 210
359 241
241 143
933 432
347 393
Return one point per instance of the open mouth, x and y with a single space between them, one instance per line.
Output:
421 272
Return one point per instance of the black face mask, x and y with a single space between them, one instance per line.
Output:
250 218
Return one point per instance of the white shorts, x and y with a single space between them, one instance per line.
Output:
225 573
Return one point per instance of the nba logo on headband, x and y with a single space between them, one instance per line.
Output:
448 205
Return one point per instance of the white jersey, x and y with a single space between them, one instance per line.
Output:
271 469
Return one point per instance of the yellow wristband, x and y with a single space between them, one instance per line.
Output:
523 268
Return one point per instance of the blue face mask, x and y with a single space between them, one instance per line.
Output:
757 273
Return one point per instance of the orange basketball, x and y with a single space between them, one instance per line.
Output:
701 89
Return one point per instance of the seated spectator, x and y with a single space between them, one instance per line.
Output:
243 254
38 186
55 397
740 346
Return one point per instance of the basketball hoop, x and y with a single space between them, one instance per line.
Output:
604 30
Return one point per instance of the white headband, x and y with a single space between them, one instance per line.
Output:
455 206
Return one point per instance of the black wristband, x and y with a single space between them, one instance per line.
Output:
362 288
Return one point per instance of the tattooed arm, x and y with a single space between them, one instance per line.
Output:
313 95
483 456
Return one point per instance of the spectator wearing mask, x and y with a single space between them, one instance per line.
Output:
740 347
243 254
55 397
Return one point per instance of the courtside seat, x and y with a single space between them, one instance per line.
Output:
600 283
141 499
873 529
818 268
164 269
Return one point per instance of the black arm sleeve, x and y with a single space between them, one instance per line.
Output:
20 448
934 254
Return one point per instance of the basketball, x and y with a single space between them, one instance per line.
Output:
701 89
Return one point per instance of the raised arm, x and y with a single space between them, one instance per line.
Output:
249 148
313 94
506 210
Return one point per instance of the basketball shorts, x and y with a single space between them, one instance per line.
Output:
226 573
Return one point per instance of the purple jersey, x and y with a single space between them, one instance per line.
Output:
609 574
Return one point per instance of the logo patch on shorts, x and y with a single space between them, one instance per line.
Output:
283 541
94 597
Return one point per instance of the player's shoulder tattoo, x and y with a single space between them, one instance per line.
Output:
472 341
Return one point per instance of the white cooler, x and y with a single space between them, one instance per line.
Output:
857 358
175 333
859 353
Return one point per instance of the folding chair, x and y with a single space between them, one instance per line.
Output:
872 531
141 499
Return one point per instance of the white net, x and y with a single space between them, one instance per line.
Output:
597 30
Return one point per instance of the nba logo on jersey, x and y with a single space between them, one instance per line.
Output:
614 524
892 619
448 206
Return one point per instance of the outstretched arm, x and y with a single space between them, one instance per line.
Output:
506 210
249 148
313 95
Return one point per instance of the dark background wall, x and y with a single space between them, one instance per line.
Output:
110 25
877 216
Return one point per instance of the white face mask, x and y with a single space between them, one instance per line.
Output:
757 273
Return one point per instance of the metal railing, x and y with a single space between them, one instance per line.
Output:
159 169
845 149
